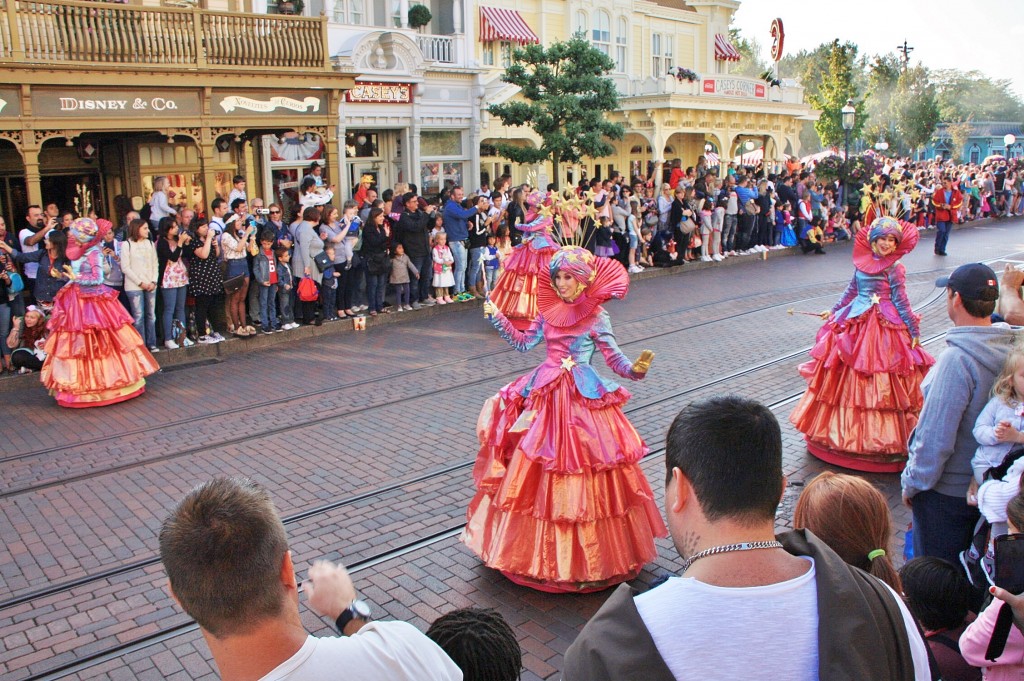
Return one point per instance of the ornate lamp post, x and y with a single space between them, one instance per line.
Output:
1008 140
849 114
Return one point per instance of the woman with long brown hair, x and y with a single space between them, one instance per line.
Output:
852 517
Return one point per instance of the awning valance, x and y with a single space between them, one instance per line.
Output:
505 24
724 51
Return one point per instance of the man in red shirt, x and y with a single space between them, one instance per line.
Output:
947 202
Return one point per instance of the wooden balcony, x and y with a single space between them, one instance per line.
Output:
97 34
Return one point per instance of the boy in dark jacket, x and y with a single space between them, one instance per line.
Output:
265 270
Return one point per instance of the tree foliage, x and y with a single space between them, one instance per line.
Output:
883 75
565 96
751 64
836 87
959 132
915 108
970 93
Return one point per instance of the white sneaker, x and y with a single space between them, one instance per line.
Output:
634 269
171 345
705 258
293 325
717 258
187 343
399 309
217 337
207 340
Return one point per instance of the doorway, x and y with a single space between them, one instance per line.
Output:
376 153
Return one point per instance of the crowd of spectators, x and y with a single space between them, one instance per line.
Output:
246 268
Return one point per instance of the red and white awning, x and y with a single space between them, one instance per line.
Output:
724 51
505 24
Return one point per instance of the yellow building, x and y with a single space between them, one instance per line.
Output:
97 99
665 117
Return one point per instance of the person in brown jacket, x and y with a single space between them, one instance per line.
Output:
745 604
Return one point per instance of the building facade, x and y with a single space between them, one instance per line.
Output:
99 99
986 138
666 116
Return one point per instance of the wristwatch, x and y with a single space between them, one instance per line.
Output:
359 609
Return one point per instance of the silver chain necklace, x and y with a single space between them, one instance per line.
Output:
726 548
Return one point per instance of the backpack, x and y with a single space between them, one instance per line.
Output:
307 290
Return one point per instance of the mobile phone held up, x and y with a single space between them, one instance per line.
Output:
1009 560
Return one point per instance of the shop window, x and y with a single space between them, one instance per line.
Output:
602 35
437 175
488 150
349 12
441 143
620 45
506 54
667 50
488 53
361 145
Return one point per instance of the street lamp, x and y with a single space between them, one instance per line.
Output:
881 145
849 114
1008 140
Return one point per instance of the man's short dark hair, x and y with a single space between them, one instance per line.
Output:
730 449
480 642
217 203
238 202
936 592
311 214
222 548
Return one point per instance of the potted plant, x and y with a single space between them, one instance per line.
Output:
419 16
290 7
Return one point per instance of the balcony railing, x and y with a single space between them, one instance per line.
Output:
69 31
440 48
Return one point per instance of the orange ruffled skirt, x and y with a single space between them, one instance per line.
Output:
94 355
863 393
563 505
515 292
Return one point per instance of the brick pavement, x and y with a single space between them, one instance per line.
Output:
99 521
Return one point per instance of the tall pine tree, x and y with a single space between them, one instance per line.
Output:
565 99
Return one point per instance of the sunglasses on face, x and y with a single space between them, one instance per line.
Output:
275 212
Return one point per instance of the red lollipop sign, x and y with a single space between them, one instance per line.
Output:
778 37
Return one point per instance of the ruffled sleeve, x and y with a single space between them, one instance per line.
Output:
604 338
898 292
520 340
848 295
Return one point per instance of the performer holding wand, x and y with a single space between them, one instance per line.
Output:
562 504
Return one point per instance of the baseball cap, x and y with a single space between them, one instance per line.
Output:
974 281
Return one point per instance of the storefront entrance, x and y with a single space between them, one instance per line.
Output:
374 153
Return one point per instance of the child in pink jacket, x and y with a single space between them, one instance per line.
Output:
1010 665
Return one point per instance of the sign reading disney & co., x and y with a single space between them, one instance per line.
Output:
734 87
113 103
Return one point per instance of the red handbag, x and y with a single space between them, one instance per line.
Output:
307 290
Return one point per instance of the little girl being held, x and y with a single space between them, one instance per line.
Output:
998 431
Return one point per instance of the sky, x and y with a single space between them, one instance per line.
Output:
983 35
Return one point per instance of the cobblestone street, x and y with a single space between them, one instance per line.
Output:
366 441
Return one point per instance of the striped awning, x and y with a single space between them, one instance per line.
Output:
505 24
724 51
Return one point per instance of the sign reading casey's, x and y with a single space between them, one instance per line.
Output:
734 87
383 93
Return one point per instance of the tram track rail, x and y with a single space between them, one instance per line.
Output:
415 544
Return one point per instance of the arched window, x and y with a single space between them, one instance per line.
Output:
620 45
602 34
582 25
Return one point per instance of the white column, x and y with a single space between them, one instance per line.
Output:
457 9
403 10
341 181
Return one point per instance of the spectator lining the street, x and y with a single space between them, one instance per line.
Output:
938 595
480 642
852 517
226 538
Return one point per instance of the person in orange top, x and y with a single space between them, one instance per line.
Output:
947 202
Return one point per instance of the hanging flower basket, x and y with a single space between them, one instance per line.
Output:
682 74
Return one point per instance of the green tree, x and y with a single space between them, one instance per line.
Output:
836 87
883 75
915 108
565 96
963 94
751 64
959 132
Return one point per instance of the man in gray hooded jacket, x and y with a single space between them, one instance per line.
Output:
938 473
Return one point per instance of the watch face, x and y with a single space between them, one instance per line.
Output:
361 608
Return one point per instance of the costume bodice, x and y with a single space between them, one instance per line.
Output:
569 348
88 269
886 289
